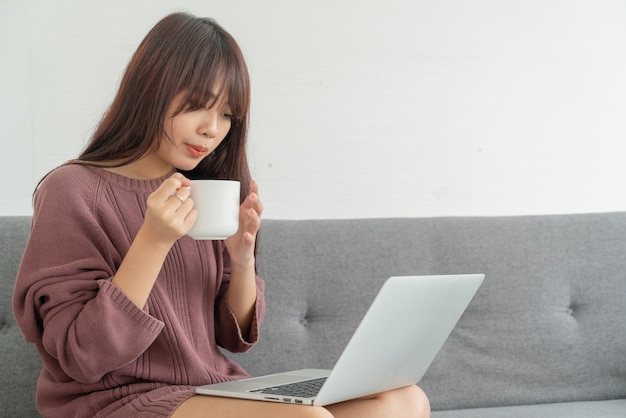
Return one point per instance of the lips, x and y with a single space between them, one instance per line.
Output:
197 150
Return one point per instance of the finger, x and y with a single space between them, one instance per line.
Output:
258 204
253 223
184 192
175 182
173 203
249 239
167 189
191 218
184 180
253 202
181 201
254 187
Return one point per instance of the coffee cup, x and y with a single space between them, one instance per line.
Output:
217 202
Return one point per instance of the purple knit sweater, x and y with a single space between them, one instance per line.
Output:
102 355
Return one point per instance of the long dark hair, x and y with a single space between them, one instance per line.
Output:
181 54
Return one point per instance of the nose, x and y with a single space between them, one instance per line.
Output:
208 127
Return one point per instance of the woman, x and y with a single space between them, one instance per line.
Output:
126 311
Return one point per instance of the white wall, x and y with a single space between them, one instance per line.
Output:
360 109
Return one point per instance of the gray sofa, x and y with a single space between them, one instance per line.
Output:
544 337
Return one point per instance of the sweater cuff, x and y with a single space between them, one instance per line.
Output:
236 342
140 317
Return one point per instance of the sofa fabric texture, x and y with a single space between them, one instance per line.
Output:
544 336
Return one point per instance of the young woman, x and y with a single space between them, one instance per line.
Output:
126 311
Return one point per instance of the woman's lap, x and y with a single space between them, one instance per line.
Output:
403 402
214 407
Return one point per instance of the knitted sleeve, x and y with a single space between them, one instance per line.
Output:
64 301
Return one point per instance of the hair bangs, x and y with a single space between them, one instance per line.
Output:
217 75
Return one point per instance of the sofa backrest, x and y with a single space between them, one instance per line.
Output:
20 362
548 324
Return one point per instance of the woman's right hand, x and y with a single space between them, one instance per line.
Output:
167 219
171 212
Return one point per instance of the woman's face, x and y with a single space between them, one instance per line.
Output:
190 136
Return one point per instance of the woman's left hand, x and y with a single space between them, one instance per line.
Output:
241 245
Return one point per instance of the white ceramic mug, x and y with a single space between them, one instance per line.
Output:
217 202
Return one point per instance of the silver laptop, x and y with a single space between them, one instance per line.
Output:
393 346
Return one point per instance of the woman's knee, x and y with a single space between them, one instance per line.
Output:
413 401
419 401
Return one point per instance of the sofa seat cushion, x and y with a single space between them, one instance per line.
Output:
600 409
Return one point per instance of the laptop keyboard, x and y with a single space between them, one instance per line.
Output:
303 389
